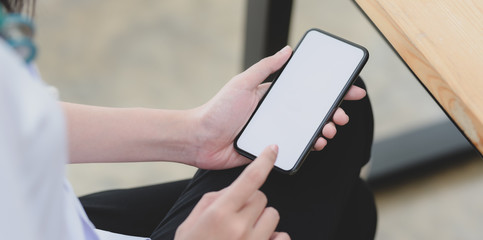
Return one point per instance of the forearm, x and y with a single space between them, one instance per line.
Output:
99 134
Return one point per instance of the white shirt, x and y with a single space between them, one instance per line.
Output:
37 202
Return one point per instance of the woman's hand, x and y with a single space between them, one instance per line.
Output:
238 211
223 117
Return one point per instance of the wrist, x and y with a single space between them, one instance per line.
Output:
177 135
200 134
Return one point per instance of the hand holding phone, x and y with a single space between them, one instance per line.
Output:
302 99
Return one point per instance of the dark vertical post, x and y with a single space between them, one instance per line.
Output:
267 28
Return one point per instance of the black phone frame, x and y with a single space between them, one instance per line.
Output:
329 116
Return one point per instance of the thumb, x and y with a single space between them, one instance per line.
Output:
262 89
280 236
257 73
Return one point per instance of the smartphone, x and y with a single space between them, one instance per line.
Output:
302 99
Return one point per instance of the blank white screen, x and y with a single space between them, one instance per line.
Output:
298 102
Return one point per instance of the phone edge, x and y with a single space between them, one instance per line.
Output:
337 103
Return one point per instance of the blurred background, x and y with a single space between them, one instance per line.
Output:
176 54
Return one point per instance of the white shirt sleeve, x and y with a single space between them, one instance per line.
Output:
37 201
33 152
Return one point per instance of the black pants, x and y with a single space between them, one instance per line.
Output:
326 199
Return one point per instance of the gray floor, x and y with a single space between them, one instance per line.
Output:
177 54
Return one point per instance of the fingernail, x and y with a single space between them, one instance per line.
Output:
284 49
274 148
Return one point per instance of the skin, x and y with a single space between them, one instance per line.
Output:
202 137
238 211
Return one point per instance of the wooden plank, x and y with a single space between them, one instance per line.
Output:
442 42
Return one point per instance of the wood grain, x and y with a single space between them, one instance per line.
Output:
442 42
